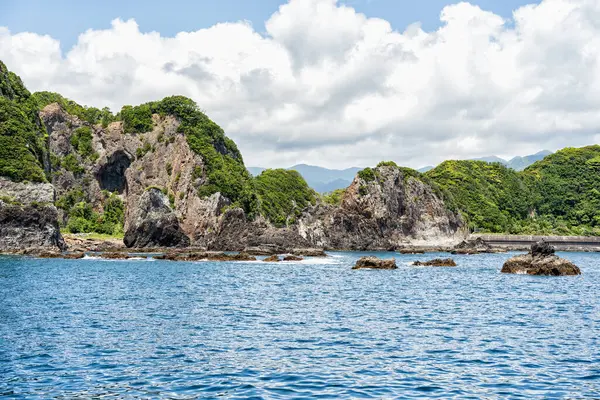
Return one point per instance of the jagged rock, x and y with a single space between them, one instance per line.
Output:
438 262
375 263
31 226
540 261
273 258
261 250
542 249
292 257
389 211
411 251
472 247
155 224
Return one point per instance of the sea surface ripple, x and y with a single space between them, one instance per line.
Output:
79 329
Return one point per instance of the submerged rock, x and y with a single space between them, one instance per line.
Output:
273 258
154 223
438 262
540 261
74 256
292 257
375 263
310 252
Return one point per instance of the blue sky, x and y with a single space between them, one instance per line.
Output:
66 19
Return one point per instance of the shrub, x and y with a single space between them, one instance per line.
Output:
367 174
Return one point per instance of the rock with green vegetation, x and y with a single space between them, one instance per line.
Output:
386 207
283 195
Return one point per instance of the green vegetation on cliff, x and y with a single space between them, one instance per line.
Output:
91 115
282 195
83 219
490 195
22 136
566 189
224 166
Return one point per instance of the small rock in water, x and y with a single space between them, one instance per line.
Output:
115 256
74 256
375 263
292 257
438 262
540 261
272 259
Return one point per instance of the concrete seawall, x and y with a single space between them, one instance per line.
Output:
567 243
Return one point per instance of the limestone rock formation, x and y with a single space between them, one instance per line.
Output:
154 224
541 260
392 209
375 263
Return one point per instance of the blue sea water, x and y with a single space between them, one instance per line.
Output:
79 329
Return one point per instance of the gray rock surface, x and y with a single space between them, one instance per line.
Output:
23 227
394 210
154 224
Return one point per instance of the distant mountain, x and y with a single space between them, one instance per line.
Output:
520 163
517 163
325 180
321 179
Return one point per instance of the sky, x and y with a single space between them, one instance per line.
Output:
331 83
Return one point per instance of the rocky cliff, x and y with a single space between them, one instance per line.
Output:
387 207
163 174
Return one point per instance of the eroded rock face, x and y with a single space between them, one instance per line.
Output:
23 227
540 261
154 224
393 210
375 263
28 218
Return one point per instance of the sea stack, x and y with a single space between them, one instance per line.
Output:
541 260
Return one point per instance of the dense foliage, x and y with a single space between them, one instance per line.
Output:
81 217
282 195
566 190
22 136
334 198
491 196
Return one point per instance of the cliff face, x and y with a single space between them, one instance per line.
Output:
389 209
128 164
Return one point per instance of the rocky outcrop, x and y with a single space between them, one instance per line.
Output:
375 263
154 224
438 262
391 210
541 260
29 226
472 247
28 218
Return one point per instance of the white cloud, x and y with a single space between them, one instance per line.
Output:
329 86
